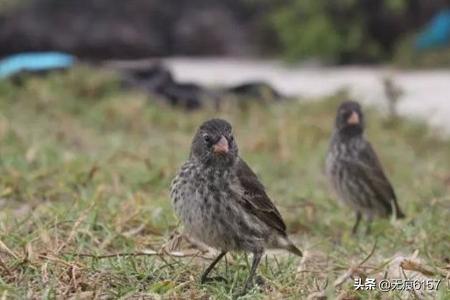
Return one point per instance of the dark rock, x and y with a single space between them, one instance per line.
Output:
256 90
157 80
187 95
105 29
153 78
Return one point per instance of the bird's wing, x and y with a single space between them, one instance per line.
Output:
253 198
371 170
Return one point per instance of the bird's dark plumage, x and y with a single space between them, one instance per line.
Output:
255 200
222 203
355 171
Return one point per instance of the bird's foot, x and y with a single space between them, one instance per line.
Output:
259 281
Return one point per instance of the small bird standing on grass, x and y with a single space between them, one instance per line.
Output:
221 201
354 171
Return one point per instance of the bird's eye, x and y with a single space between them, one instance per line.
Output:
207 139
231 138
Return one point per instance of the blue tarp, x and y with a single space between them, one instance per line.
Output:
437 33
34 61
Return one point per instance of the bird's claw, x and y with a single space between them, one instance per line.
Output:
259 281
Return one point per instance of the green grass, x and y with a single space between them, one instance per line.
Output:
85 168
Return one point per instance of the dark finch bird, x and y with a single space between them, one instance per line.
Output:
221 201
354 170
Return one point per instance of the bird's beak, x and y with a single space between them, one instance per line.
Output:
353 119
221 147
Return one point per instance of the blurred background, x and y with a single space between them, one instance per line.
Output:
334 32
311 48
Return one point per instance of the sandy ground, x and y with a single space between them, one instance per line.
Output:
426 93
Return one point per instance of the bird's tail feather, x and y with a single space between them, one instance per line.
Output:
398 212
294 250
283 242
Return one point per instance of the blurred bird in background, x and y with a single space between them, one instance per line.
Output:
354 171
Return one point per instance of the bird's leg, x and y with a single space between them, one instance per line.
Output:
205 277
256 260
358 220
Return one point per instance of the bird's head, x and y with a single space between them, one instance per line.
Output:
214 144
350 119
